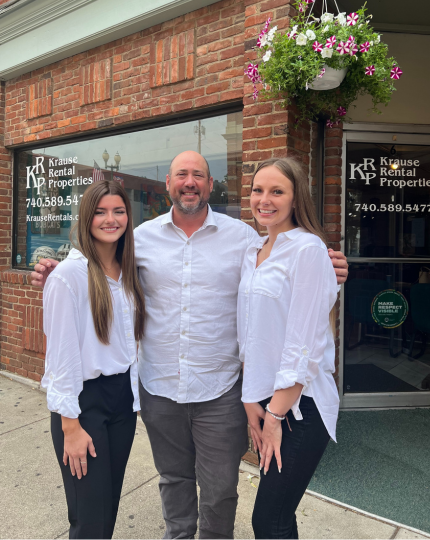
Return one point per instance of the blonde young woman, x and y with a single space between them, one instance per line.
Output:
287 291
93 316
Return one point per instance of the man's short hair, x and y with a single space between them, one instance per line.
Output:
206 161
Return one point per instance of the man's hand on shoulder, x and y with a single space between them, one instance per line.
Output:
340 265
41 271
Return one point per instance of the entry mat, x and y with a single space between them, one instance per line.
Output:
381 464
371 378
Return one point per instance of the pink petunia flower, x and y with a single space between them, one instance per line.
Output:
317 47
253 73
343 48
352 19
364 47
330 42
351 39
353 49
370 70
341 111
396 72
320 76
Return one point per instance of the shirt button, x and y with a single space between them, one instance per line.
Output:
185 285
128 334
51 376
186 264
188 243
246 291
183 332
185 308
182 356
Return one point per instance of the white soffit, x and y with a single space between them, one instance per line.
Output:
35 33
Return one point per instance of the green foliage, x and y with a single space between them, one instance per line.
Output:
292 67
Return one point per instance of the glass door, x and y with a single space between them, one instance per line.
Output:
386 333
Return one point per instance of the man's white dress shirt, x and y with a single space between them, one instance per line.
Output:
189 352
283 323
74 353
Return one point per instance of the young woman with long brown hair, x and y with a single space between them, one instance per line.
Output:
93 316
287 291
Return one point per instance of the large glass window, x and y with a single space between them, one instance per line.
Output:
387 295
51 181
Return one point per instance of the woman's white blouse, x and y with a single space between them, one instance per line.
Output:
284 332
74 353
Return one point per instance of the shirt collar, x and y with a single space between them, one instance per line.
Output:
76 254
290 235
210 218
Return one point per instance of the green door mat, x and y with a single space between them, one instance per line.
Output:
381 464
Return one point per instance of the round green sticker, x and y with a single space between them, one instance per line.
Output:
389 308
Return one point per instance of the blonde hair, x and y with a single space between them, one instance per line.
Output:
304 213
98 288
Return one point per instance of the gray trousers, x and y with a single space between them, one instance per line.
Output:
201 442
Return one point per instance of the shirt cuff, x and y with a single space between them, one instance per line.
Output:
306 371
67 406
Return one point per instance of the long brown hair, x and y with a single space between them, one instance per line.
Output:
98 287
304 213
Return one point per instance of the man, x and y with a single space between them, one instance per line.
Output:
189 265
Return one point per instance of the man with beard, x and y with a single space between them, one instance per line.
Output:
190 386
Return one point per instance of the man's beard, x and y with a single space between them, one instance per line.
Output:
188 209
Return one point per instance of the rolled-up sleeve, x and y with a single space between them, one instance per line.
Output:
63 378
308 318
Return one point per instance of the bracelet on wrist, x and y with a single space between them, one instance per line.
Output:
276 416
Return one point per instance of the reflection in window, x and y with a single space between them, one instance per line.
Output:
52 180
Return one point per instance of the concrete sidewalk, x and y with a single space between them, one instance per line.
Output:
33 502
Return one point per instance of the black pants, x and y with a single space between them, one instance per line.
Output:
279 494
107 416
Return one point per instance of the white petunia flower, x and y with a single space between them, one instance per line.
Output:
263 40
371 43
326 29
301 39
327 53
326 17
310 34
377 39
271 33
267 56
341 19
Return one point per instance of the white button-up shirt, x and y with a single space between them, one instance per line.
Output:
74 353
283 323
189 352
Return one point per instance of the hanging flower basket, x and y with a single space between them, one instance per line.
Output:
332 79
324 63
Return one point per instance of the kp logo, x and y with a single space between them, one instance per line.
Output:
365 166
31 174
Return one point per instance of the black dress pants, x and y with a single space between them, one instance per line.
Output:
107 416
279 494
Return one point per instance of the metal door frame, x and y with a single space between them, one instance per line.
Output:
376 133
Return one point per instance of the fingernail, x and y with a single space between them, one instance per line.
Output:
279 469
265 472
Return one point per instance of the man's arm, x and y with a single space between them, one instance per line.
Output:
340 265
41 272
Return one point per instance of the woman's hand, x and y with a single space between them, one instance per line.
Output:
255 413
271 438
76 444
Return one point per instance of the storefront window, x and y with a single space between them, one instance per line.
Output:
52 180
387 295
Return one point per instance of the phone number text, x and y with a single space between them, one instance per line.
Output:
392 207
44 202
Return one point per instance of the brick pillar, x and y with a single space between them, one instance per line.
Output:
332 205
5 190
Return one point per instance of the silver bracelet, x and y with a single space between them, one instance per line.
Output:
273 414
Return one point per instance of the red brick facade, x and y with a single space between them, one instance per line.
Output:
192 62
